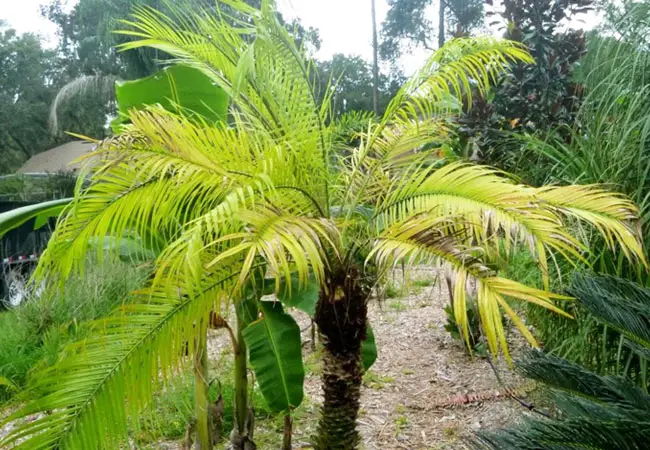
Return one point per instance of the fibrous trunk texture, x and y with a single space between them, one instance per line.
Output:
341 316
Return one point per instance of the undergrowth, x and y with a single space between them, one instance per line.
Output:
34 333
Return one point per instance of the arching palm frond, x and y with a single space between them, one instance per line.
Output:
152 183
258 64
461 65
427 239
98 86
598 412
98 389
420 112
614 216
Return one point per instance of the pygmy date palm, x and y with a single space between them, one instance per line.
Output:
266 193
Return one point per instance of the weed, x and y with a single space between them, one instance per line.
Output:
375 381
397 306
35 332
392 291
425 282
401 422
408 372
451 431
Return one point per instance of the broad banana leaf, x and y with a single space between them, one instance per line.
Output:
276 356
368 349
303 298
40 211
176 88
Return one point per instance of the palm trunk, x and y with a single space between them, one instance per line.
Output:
441 24
341 316
204 441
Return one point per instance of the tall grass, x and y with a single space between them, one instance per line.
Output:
35 332
610 141
609 144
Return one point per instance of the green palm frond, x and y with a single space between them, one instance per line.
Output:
97 390
598 412
620 304
601 412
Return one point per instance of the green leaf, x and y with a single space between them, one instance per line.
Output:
276 356
40 211
368 349
6 382
176 88
303 298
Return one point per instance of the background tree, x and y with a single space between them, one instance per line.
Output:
91 63
25 93
375 61
409 24
29 79
351 79
533 97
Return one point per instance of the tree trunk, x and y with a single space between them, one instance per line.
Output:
441 24
341 316
375 61
203 441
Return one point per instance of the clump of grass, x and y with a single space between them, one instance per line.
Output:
373 380
397 306
424 282
392 291
35 332
173 407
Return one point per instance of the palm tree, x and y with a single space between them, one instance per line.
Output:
596 411
267 195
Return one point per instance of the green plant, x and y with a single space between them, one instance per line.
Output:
264 194
608 143
532 97
595 411
34 333
475 344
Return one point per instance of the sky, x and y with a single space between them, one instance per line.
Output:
345 25
349 32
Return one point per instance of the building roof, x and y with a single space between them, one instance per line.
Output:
58 159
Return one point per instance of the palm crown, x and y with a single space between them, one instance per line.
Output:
267 194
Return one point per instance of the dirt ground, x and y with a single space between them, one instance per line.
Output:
415 395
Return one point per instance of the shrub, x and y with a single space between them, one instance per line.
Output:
35 332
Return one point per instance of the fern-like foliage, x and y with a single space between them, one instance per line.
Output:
597 412
265 193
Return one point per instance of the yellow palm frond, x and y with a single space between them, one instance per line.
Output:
461 65
257 63
421 239
614 216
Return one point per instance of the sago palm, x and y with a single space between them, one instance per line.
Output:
266 195
595 411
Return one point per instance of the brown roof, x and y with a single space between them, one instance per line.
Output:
58 159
